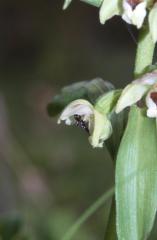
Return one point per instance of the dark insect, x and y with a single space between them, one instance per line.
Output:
80 123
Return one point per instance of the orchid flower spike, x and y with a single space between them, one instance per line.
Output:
134 92
83 114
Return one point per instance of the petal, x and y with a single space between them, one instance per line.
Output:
108 9
139 14
151 105
131 94
127 14
152 113
148 78
79 107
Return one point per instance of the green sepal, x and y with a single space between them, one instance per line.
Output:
131 94
118 122
136 177
150 68
96 3
109 8
106 103
88 90
153 22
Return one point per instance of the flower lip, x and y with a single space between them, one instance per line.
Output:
151 103
153 96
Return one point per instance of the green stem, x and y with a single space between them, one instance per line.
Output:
145 51
144 57
111 226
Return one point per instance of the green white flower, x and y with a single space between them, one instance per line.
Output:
144 87
134 13
83 114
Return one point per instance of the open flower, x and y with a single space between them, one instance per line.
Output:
144 87
134 12
83 114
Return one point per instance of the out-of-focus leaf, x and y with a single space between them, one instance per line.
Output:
89 90
66 4
87 214
10 227
136 178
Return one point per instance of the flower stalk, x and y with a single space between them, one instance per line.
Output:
144 58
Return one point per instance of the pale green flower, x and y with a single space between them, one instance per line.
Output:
83 114
134 92
134 13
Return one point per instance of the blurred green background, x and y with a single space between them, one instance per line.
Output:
49 174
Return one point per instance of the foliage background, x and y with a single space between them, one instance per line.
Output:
49 174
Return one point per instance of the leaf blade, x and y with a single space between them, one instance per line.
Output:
136 178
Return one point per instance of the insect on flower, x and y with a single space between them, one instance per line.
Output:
81 123
84 115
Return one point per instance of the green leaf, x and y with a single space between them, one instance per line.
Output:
89 90
136 178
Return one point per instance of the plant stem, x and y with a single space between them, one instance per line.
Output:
144 57
145 51
111 226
